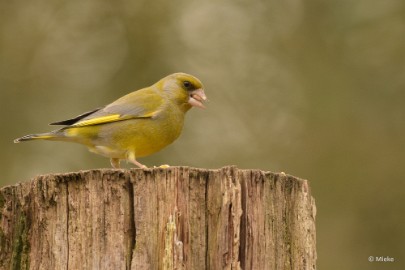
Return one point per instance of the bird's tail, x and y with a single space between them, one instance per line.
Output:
41 136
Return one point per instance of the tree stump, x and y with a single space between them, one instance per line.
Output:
175 218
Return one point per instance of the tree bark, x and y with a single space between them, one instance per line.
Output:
175 218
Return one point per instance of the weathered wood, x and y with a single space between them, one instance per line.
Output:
175 218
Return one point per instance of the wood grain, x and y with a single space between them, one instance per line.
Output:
175 218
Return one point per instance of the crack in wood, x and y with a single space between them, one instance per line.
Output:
119 219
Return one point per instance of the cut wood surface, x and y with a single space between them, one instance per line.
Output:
174 218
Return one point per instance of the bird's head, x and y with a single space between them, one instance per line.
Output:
185 89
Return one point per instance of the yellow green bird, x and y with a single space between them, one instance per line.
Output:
135 125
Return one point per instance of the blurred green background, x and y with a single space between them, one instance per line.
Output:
312 88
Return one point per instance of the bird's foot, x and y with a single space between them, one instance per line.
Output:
115 162
137 163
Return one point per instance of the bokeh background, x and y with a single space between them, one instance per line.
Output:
312 88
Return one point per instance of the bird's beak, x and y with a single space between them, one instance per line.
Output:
197 97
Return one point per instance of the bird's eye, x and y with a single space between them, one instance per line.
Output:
187 84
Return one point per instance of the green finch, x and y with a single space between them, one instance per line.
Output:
135 125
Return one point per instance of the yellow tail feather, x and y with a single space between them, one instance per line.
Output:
43 136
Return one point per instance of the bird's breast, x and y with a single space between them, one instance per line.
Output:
145 136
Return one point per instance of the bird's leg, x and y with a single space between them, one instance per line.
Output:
140 165
115 162
132 159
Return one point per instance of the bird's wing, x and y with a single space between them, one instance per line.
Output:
144 103
75 119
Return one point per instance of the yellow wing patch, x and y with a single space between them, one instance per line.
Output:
109 119
98 120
